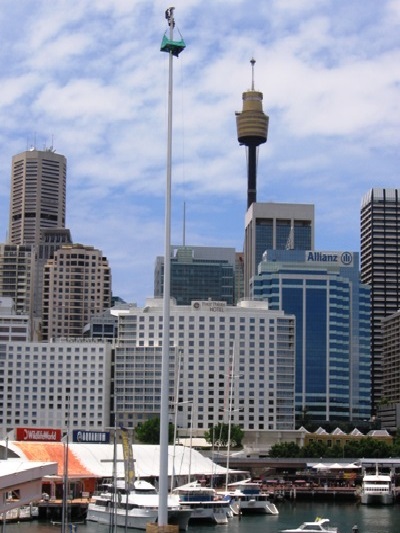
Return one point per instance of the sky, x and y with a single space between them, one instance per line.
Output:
88 79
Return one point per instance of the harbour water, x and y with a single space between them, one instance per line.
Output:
382 519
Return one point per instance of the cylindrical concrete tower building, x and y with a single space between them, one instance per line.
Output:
252 129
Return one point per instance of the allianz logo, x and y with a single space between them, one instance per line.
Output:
346 258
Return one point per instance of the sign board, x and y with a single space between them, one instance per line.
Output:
209 305
91 437
336 258
41 434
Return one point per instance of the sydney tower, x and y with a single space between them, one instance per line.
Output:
252 129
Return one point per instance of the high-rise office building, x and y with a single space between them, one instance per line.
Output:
270 226
51 240
380 268
38 191
77 285
17 266
198 273
389 407
331 306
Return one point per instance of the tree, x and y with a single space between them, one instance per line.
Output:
218 435
314 449
149 432
285 449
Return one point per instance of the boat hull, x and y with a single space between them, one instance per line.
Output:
136 518
377 499
207 512
244 505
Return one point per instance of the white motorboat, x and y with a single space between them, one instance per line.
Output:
204 504
320 525
20 514
377 489
246 498
134 509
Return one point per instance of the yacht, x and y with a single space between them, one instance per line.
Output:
203 503
246 498
134 510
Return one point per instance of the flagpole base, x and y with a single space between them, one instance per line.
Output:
152 527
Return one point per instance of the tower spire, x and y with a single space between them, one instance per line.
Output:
252 130
253 62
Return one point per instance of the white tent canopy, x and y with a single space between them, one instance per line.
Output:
320 466
97 459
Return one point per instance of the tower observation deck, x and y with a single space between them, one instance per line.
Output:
252 130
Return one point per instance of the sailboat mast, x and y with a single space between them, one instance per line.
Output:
64 510
230 404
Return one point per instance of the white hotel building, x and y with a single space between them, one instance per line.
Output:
223 359
42 384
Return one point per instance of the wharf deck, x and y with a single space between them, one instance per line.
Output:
52 509
290 491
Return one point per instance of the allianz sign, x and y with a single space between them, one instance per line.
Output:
339 258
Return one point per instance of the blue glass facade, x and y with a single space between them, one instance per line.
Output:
297 236
332 310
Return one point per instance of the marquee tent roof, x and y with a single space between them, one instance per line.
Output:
96 460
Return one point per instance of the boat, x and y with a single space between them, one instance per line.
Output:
377 489
204 504
134 509
21 514
246 498
320 524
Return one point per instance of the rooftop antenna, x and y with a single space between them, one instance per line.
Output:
253 62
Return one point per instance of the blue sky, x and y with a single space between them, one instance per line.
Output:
89 78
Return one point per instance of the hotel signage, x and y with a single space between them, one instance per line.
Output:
209 305
337 258
92 437
43 434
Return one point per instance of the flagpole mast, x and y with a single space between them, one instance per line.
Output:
172 48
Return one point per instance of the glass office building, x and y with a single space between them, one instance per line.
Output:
331 306
198 273
270 226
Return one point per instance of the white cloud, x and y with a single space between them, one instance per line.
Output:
91 75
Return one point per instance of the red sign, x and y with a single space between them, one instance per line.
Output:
44 434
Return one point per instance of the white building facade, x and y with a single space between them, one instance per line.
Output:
13 326
225 361
42 384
